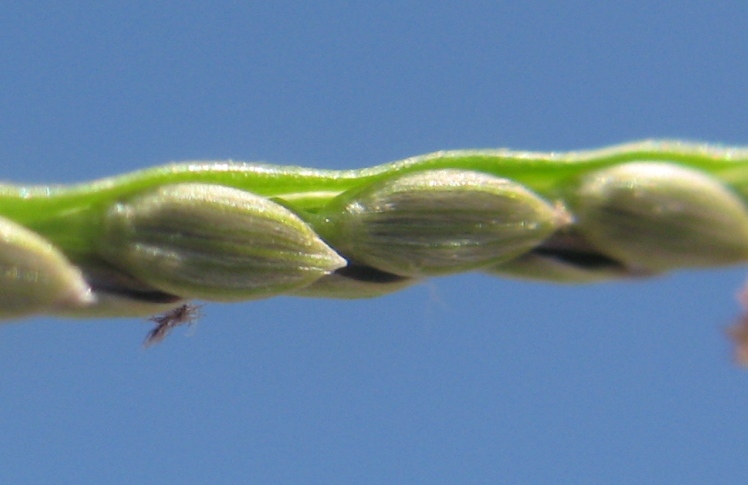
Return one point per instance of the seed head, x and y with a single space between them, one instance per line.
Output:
661 216
437 222
35 277
214 243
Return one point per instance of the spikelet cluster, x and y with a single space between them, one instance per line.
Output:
148 247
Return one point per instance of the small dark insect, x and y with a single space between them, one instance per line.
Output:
186 314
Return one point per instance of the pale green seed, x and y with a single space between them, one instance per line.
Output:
215 243
436 222
536 267
344 284
565 257
659 216
109 305
35 276
117 294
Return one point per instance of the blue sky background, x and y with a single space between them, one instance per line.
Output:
466 379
